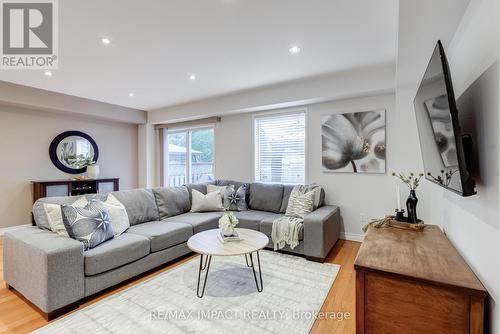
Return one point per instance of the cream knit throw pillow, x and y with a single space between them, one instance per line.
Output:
206 203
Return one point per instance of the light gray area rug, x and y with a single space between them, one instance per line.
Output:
294 289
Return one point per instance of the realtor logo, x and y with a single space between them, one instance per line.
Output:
29 34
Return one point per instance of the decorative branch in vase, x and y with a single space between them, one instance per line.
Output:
412 181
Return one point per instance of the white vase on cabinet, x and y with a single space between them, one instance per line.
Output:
93 172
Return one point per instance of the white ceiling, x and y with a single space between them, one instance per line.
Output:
230 45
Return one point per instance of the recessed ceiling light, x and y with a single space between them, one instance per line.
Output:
192 77
105 41
294 49
131 94
47 73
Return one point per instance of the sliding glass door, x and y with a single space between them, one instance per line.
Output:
202 155
189 156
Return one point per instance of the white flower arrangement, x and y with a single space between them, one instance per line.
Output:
228 222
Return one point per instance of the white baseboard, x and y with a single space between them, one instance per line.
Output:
11 228
351 236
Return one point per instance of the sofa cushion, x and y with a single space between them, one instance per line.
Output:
172 201
206 203
55 217
301 202
117 212
200 221
266 226
266 197
89 225
287 190
115 253
163 234
251 218
140 205
45 204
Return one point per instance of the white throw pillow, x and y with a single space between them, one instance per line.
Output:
300 203
118 216
205 203
54 215
212 188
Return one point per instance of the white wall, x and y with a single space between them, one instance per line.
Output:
470 35
361 82
472 224
369 194
25 136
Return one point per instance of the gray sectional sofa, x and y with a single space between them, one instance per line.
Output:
55 273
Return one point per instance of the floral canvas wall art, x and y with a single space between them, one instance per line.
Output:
354 142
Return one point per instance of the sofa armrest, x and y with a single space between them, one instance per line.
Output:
46 268
321 231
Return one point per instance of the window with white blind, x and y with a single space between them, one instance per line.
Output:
280 148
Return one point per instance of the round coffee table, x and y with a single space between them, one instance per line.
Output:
207 244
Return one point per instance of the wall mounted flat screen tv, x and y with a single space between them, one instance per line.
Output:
446 152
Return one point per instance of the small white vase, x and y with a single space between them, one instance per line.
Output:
93 171
228 232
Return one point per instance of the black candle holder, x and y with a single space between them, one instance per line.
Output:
400 215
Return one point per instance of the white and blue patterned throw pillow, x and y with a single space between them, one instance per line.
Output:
90 225
116 210
235 200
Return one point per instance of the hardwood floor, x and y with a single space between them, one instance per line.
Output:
18 316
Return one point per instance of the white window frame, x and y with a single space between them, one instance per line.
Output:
189 132
306 137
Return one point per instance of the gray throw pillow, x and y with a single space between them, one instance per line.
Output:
89 225
140 205
236 184
172 201
235 199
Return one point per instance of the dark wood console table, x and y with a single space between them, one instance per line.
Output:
415 282
74 187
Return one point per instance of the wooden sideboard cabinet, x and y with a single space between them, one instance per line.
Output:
74 187
415 282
